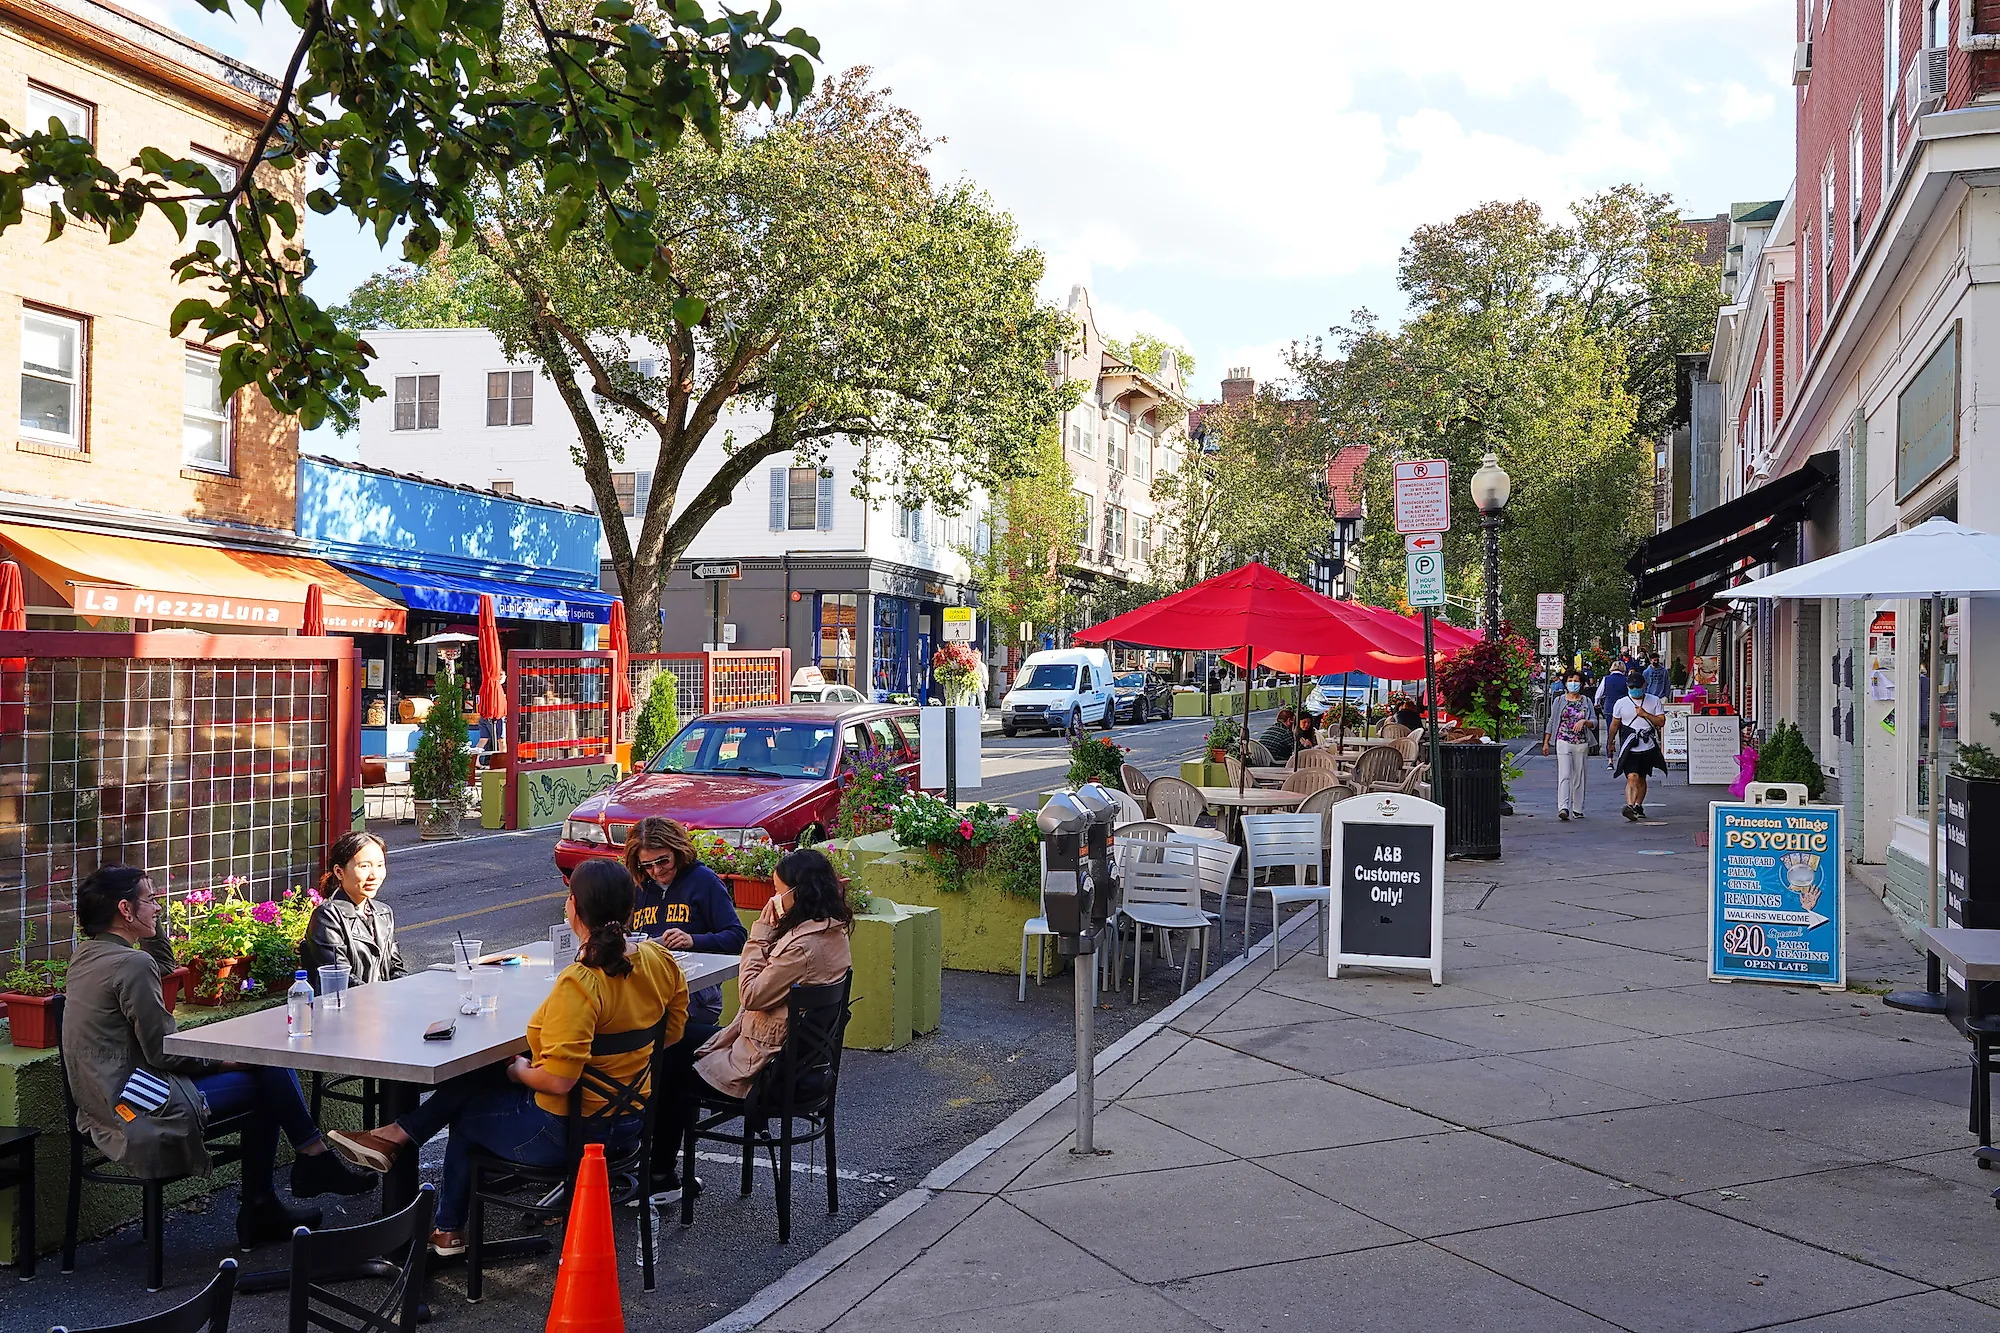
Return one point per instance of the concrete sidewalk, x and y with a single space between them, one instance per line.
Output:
1577 1131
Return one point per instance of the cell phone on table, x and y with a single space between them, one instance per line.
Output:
441 1030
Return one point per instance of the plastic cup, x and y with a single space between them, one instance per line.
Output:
489 1003
464 956
333 985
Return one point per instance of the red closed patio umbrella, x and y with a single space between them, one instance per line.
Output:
621 649
13 670
492 690
315 622
13 601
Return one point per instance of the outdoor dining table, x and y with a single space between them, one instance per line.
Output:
1227 802
378 1033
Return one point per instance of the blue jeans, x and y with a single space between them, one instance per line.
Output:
484 1109
274 1094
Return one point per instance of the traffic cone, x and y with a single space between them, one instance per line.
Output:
587 1283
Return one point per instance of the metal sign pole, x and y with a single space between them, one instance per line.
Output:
951 755
1086 1054
1431 707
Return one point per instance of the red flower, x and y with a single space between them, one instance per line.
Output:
965 828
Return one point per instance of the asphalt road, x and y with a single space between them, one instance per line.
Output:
901 1112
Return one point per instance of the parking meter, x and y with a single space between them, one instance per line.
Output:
1101 810
1066 893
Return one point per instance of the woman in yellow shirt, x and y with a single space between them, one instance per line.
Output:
519 1109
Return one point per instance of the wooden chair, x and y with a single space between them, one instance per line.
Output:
802 1083
207 1311
1136 783
1174 801
86 1163
495 1177
400 1243
1309 780
1380 769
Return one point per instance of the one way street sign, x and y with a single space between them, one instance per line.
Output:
718 569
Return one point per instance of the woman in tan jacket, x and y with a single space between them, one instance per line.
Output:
801 939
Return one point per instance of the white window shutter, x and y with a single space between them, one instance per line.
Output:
778 492
826 501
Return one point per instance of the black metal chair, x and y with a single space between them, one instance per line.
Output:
86 1163
17 1142
802 1083
631 1169
401 1241
1984 1033
206 1312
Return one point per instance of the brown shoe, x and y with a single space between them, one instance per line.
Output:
365 1148
447 1244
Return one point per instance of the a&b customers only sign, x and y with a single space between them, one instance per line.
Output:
1776 894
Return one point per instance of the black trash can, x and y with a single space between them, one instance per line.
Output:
1471 796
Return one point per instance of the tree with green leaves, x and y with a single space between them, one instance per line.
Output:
845 295
1147 352
1035 515
405 114
1550 344
1254 489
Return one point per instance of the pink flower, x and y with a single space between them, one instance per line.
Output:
265 914
312 896
201 897
965 828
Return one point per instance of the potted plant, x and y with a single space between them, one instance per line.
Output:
746 870
955 668
869 795
956 841
1095 760
438 768
213 933
29 989
1222 735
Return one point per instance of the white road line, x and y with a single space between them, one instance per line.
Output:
764 1163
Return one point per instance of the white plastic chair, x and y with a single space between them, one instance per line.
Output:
1272 841
1166 896
1129 809
1037 928
1214 861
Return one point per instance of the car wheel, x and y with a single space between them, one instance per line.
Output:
1075 720
1110 716
1008 732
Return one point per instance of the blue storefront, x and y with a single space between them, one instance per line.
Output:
436 548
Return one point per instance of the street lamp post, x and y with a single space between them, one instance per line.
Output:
1491 487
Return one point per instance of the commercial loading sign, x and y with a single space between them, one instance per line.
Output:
1776 894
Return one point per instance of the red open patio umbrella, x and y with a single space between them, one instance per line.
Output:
315 622
621 650
1253 607
492 690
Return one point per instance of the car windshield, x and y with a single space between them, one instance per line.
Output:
775 749
1051 676
1132 680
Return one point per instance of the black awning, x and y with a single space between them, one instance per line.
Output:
1785 498
1756 545
1697 597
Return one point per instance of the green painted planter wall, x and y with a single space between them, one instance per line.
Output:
898 976
981 927
1190 705
1204 774
31 1094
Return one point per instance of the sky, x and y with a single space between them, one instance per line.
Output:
1235 179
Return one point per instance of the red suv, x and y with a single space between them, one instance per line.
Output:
751 775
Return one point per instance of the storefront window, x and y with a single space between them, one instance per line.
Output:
835 646
891 649
1948 647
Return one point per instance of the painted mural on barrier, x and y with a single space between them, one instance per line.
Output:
547 795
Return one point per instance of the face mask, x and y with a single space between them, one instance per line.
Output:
1637 692
1573 686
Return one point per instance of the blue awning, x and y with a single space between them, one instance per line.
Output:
458 594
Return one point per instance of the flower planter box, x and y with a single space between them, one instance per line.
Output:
979 929
1190 705
31 1019
898 976
1205 774
750 895
223 986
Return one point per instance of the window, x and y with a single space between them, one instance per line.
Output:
77 118
1892 73
1854 192
1937 24
1826 230
500 487
54 360
802 498
1146 540
205 426
626 484
1080 431
1142 456
910 519
834 655
1084 505
1114 532
1115 444
510 398
225 173
416 402
1805 287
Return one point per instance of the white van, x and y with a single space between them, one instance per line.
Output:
1058 688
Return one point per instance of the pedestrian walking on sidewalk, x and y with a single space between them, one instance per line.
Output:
1635 739
1656 678
1572 726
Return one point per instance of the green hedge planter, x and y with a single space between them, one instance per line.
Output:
898 977
981 927
31 1094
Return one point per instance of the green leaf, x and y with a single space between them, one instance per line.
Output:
689 310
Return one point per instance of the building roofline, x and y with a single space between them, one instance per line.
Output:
349 465
139 43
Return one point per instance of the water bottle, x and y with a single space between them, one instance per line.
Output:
299 1007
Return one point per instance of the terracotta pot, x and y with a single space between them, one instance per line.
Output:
32 1020
1216 755
751 894
222 986
171 986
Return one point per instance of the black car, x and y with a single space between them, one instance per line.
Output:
1142 697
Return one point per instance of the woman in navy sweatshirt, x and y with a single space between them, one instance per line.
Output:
682 904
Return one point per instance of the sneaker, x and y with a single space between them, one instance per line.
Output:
269 1219
1576 814
325 1173
1631 812
1563 815
365 1148
447 1244
1638 812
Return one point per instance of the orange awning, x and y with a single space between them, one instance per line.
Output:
101 575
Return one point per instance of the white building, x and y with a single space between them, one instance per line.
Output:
819 564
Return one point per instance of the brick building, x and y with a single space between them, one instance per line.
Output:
124 454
